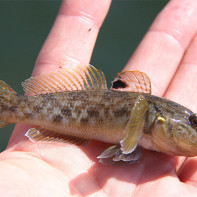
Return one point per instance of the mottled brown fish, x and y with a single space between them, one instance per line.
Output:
74 105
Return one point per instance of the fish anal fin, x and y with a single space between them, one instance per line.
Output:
114 156
66 79
38 134
133 130
132 81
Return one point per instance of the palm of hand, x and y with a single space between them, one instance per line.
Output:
63 170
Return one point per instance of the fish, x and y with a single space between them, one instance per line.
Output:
73 105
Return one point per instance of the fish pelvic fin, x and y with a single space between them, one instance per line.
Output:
114 156
39 134
6 92
69 78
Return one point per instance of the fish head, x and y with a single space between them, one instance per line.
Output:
176 136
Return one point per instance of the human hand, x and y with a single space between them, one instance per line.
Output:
56 169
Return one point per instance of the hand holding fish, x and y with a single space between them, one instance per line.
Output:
167 54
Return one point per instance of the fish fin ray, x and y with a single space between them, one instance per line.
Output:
39 134
132 81
66 79
109 152
114 156
133 130
5 89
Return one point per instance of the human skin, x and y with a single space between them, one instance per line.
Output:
167 54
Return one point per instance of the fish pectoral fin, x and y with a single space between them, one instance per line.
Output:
114 156
66 79
39 134
132 81
133 130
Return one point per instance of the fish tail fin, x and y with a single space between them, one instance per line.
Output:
5 92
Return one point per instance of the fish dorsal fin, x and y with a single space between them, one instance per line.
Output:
66 79
132 81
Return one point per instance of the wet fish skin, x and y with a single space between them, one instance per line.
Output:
81 113
100 115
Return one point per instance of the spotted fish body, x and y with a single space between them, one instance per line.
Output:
82 113
123 118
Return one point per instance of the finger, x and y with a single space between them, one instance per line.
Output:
188 172
163 47
73 35
183 87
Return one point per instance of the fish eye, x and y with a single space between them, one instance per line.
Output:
193 120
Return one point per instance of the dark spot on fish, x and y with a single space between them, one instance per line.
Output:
78 110
90 29
66 112
12 108
118 84
57 118
37 109
100 120
50 97
106 111
75 96
121 112
92 113
84 120
101 106
3 107
27 115
106 97
158 111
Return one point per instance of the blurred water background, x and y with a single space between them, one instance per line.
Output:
24 25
